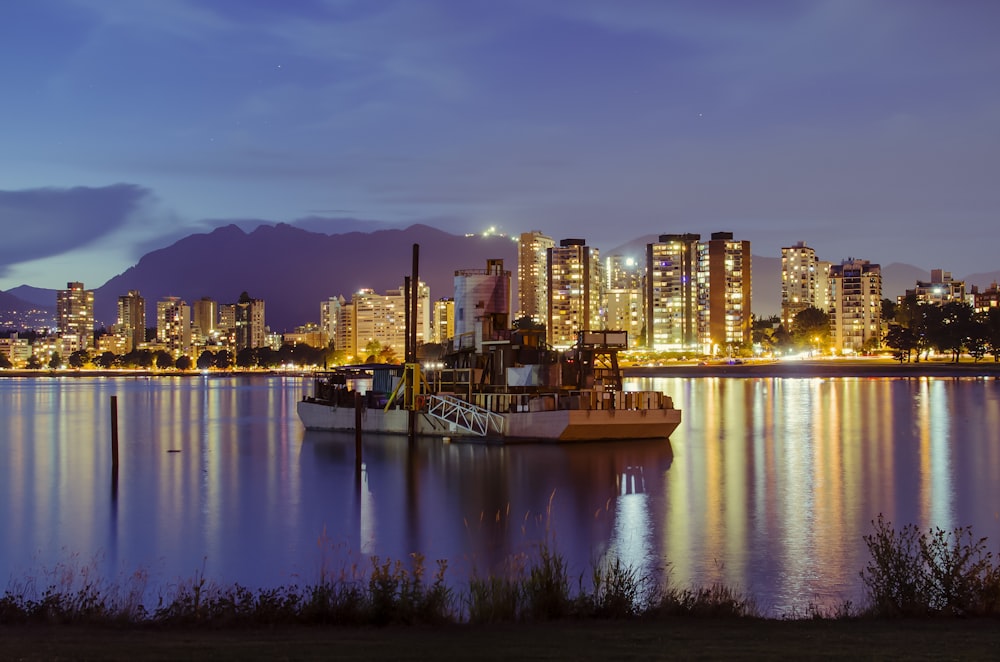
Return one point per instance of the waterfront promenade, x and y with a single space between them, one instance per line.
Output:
863 367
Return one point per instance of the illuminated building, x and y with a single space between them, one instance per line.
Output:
804 282
724 279
482 303
941 289
574 285
75 317
444 320
672 293
173 325
532 281
249 323
381 318
855 305
329 316
206 315
130 328
987 299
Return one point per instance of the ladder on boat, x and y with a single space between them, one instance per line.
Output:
470 417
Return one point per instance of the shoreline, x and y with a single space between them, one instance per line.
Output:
823 368
796 369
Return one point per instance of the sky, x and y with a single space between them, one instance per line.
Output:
866 128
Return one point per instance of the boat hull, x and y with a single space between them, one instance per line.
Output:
565 425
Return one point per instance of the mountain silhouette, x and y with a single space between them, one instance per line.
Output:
293 270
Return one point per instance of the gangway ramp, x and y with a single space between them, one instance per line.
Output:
472 418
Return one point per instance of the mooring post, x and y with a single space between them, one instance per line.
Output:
114 435
357 433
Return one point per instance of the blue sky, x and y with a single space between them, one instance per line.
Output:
867 128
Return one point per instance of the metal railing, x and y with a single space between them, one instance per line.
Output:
460 413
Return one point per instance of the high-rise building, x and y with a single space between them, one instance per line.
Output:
251 331
482 303
173 325
329 317
75 316
804 282
724 276
381 318
856 305
532 281
206 318
444 320
574 291
672 294
130 328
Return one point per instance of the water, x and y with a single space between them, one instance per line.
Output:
767 486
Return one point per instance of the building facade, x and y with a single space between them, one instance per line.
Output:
574 291
532 280
75 317
173 325
804 282
482 302
130 328
251 331
940 289
855 306
725 280
672 295
381 319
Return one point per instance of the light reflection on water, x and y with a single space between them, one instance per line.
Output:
767 486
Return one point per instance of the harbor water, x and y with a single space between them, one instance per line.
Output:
768 486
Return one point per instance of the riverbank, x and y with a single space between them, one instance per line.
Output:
876 367
681 638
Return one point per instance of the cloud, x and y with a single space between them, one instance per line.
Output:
45 222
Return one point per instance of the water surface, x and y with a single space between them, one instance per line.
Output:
768 485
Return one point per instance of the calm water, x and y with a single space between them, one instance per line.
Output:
768 485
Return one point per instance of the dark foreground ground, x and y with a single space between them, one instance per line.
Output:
687 638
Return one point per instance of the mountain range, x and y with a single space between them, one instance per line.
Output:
293 269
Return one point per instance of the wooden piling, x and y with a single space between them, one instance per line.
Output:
114 435
357 433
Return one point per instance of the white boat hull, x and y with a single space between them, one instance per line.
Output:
558 425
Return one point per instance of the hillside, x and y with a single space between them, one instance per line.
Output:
293 270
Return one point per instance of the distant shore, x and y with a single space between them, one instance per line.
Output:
875 367
821 368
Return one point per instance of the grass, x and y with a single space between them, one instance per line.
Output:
533 608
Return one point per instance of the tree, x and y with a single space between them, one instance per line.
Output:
954 328
246 358
387 355
107 360
902 341
977 340
5 362
889 310
163 359
223 359
34 362
79 358
372 349
184 363
55 361
206 360
811 328
993 333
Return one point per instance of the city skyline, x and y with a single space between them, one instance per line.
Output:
132 125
